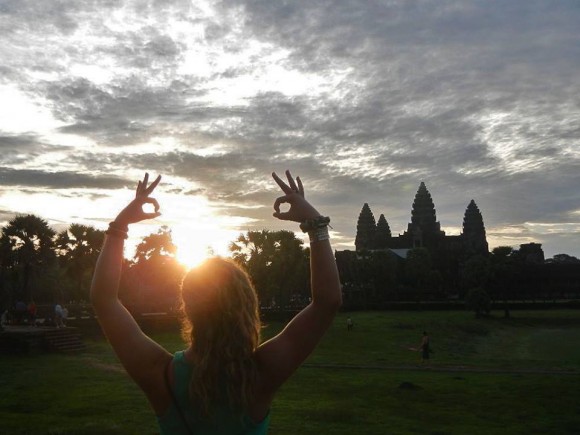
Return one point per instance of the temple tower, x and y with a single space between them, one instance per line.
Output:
424 230
383 234
365 229
473 234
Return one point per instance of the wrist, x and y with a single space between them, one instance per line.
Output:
315 223
318 234
118 229
119 224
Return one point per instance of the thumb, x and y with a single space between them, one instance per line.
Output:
151 215
285 216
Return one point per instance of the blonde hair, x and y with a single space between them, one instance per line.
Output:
221 320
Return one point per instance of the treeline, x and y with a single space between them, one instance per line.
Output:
375 279
37 263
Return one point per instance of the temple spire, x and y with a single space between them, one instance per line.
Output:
383 234
474 230
365 229
423 212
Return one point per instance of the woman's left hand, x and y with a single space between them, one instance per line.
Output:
134 211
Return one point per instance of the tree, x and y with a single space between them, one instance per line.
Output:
563 259
27 248
158 244
478 301
254 251
78 248
475 272
152 282
502 274
277 264
382 271
418 268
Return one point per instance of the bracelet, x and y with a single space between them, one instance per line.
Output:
312 224
319 234
114 230
119 226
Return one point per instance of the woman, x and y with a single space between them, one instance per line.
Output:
224 381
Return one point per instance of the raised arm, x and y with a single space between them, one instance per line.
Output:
280 356
140 355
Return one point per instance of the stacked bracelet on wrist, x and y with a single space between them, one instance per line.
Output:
316 228
318 235
118 230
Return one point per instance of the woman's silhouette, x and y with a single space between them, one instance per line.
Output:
225 380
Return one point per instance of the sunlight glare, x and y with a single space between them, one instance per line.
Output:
194 245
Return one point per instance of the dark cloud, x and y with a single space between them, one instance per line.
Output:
15 178
478 99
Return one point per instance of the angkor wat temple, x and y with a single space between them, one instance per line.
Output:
423 230
386 269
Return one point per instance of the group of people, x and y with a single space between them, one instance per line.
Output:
20 314
27 314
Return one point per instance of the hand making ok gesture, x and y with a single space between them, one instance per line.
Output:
300 209
134 211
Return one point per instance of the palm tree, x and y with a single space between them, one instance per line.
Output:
78 248
27 246
276 262
156 273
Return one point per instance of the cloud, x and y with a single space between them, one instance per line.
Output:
479 100
58 180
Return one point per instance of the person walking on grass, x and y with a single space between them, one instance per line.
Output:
225 380
424 348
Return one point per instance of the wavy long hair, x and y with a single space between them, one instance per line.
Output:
221 321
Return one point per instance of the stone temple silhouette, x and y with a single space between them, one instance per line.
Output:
423 231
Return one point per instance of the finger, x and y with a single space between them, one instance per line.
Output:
153 185
300 187
138 191
291 181
148 200
281 183
280 200
151 215
285 216
145 180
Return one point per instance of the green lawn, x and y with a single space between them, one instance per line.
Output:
89 393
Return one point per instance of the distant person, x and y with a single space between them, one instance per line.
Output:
225 380
19 312
4 320
425 348
32 310
349 324
58 316
64 315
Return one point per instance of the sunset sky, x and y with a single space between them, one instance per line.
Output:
362 99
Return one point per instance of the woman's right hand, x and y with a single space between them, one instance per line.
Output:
134 211
300 209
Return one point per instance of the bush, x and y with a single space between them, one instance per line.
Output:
478 301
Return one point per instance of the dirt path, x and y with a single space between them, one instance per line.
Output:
446 369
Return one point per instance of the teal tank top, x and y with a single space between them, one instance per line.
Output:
225 422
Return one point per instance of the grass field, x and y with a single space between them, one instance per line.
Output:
488 376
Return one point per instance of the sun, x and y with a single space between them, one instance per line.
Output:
192 256
194 245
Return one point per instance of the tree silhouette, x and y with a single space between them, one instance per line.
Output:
476 272
502 274
418 268
78 248
277 264
156 274
27 247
